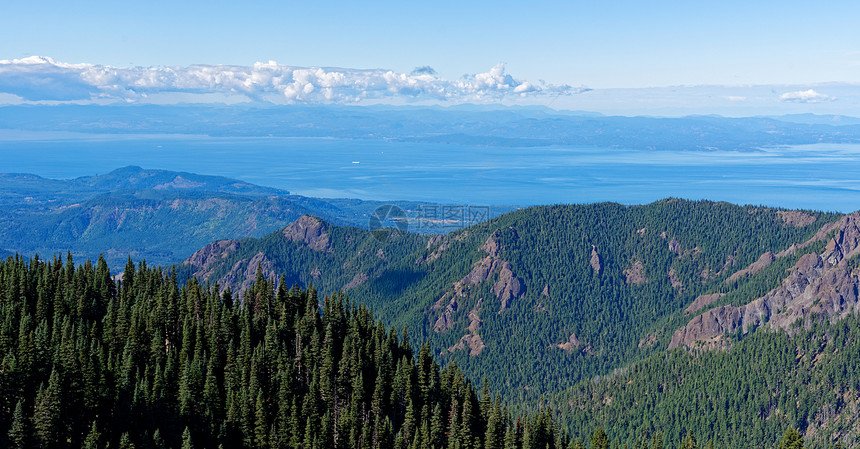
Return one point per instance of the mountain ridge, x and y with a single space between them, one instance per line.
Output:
524 285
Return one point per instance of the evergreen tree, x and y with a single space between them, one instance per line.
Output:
187 442
18 430
93 437
791 440
599 439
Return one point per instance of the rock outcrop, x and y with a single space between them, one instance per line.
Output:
763 262
446 319
472 340
310 231
675 281
636 273
795 218
357 280
570 345
204 259
703 301
506 287
595 261
243 273
824 284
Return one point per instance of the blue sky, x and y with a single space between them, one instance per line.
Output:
600 44
608 46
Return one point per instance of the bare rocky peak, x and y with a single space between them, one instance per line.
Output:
310 231
821 284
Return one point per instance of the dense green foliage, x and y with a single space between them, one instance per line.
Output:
741 397
146 363
549 250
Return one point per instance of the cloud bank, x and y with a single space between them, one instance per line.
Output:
805 96
39 79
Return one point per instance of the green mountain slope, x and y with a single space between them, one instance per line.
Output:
741 397
542 297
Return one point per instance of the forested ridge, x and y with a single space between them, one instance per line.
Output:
683 249
148 363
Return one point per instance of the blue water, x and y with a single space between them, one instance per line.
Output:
825 176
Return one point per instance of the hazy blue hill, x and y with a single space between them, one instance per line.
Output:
464 125
156 215
136 178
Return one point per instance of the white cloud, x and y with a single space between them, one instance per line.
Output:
805 96
42 79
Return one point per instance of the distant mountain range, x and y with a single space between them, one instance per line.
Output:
157 215
471 125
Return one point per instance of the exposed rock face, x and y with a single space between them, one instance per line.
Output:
703 301
244 272
545 291
472 340
675 247
507 287
357 280
673 278
595 260
446 319
763 262
310 231
570 345
818 283
443 243
205 257
647 341
636 273
795 218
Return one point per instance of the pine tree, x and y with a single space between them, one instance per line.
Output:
18 431
689 442
261 437
46 416
125 442
599 440
187 443
93 437
791 440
